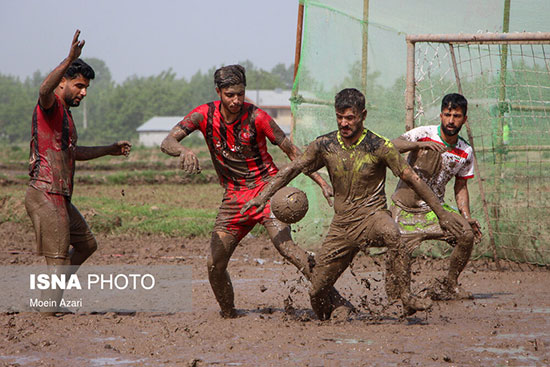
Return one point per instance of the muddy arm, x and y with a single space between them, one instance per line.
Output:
403 145
307 162
293 152
447 221
281 179
122 147
171 146
462 197
47 88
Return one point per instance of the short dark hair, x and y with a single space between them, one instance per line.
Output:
79 67
453 101
349 98
230 75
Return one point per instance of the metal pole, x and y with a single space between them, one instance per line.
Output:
501 102
485 38
365 46
409 94
476 166
299 28
297 56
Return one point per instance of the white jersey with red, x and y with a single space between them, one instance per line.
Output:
457 161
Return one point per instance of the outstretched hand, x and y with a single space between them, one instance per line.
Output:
257 202
189 162
122 147
451 224
76 46
476 227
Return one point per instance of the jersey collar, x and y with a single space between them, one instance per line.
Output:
443 140
343 145
239 117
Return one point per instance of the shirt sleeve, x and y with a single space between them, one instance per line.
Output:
416 134
467 171
192 121
55 106
266 126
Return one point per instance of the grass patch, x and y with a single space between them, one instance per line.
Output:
10 153
12 205
170 210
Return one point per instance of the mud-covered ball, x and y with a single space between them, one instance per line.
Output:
289 204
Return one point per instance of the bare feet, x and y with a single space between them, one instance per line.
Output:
444 290
412 304
341 314
231 314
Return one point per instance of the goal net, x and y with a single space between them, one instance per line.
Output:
506 79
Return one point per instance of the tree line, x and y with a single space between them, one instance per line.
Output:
114 111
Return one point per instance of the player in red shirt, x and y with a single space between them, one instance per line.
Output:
235 133
57 223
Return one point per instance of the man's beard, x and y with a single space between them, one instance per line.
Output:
75 102
450 132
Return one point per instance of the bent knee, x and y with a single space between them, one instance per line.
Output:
87 247
467 239
215 267
391 236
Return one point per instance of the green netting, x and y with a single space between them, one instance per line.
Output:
332 58
509 115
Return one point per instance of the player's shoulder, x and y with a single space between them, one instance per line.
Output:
425 131
256 111
204 108
52 112
328 138
464 143
374 141
330 135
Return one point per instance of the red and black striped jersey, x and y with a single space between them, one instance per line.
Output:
238 148
52 149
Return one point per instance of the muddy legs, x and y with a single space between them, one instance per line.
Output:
448 288
282 240
222 246
398 279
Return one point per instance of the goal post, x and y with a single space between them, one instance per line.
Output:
506 79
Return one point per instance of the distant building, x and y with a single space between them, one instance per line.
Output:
275 102
153 132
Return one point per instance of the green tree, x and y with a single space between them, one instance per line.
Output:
16 106
286 75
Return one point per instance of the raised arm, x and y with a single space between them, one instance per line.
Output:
293 152
462 197
171 146
403 145
47 88
122 147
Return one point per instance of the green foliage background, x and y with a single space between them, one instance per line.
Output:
114 111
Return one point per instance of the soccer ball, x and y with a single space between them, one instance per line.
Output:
289 204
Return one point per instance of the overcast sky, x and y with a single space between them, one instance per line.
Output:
146 37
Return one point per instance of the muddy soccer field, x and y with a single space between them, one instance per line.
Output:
507 323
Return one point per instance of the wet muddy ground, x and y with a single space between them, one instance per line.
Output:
507 324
